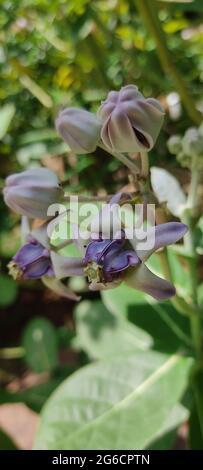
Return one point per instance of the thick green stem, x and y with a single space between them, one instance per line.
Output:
148 12
195 320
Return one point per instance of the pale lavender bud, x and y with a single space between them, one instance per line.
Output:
31 192
80 129
131 123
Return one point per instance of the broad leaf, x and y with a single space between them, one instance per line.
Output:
168 329
121 403
101 334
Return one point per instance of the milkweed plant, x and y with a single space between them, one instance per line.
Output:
139 249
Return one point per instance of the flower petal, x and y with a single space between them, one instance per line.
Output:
64 266
120 262
41 235
160 236
143 279
59 288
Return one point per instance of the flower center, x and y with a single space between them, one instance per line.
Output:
15 270
94 272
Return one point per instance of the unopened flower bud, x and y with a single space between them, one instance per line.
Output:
31 192
174 144
79 128
131 123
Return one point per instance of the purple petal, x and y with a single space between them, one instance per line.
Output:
28 253
122 261
165 234
143 279
39 268
96 250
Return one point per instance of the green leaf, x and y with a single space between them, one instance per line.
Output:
121 403
165 436
8 289
40 343
6 442
101 334
6 115
160 320
119 300
181 277
196 419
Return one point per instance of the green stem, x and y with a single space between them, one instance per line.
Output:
195 175
178 302
145 165
195 320
148 12
12 353
123 159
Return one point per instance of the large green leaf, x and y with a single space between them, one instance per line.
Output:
119 300
166 434
121 403
101 334
160 320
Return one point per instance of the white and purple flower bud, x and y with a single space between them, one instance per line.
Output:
130 122
31 192
32 261
79 128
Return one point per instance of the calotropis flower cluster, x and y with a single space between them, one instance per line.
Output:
187 146
126 122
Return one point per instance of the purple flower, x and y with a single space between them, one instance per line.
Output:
32 261
80 129
31 192
36 259
108 262
131 123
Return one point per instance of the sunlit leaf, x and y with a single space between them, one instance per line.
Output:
87 410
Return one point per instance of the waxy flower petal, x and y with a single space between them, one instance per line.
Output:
143 279
31 192
80 129
130 122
